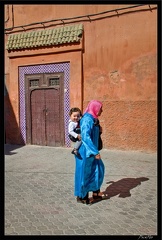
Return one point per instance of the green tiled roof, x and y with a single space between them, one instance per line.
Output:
49 37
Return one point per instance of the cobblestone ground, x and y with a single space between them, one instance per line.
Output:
39 198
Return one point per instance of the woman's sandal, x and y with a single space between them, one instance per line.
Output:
100 196
84 201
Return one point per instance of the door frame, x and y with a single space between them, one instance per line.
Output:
69 79
41 81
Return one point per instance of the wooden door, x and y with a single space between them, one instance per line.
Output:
38 117
53 118
45 105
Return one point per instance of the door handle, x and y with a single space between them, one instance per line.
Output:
46 111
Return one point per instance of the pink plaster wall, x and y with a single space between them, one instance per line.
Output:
116 63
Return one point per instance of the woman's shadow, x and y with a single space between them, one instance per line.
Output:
122 187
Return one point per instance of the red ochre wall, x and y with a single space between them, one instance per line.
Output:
119 68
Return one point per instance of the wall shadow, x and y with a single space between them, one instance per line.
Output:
11 129
8 148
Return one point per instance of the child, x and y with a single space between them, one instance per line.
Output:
74 129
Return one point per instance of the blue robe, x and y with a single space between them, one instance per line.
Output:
89 172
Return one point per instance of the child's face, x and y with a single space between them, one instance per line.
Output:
75 116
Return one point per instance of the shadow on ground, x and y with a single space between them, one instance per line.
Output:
8 148
122 187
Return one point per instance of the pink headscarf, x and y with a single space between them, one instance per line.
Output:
93 108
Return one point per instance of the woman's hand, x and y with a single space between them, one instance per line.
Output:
79 137
98 157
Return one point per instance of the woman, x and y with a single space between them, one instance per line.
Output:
89 172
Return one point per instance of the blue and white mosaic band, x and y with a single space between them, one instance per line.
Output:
49 68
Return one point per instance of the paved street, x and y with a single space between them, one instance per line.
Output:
39 198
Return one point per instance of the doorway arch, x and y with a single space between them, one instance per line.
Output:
44 68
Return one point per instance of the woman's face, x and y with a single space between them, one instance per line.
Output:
100 111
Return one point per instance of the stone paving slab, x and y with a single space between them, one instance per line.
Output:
39 198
